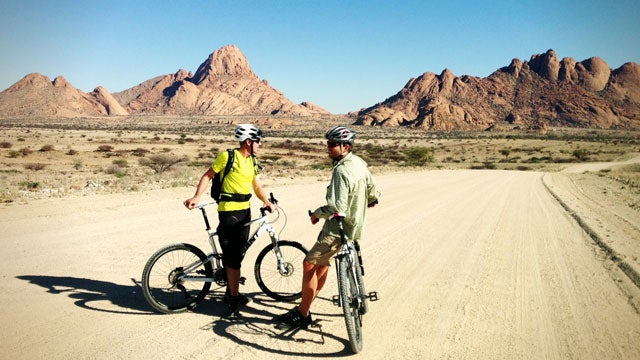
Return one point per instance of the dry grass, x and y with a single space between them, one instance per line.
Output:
62 157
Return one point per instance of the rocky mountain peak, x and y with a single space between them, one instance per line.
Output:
546 65
225 62
536 93
60 81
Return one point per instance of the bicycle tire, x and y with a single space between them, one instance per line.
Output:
159 285
348 295
364 304
274 283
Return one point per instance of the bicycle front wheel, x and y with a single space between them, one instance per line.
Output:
349 301
281 283
364 303
161 285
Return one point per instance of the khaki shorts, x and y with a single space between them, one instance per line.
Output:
325 248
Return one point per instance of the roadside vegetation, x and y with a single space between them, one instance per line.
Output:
54 158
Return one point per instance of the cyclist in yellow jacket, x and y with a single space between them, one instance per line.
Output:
351 191
234 206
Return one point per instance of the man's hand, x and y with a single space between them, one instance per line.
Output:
269 205
191 203
314 219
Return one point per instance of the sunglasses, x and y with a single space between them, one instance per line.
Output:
332 144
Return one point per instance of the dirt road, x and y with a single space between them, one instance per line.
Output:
468 265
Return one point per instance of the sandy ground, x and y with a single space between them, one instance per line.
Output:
468 265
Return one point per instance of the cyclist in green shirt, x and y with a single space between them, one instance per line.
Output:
351 191
234 206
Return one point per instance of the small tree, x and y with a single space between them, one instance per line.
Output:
162 162
418 155
581 154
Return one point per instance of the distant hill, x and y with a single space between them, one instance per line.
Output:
224 84
533 94
36 95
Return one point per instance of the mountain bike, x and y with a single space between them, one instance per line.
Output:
352 295
177 277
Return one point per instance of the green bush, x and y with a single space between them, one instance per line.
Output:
418 156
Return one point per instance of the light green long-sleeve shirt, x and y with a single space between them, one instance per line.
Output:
350 191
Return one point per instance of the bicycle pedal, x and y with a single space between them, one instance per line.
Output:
373 296
336 300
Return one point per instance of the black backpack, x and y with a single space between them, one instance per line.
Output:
216 182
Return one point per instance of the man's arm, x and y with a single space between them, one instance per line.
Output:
203 184
261 194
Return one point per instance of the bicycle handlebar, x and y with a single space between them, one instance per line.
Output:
273 200
336 215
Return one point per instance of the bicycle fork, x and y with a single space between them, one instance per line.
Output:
372 296
284 268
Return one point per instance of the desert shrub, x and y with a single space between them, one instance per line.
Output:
14 154
29 185
115 170
505 152
581 154
26 151
418 155
162 162
320 166
105 148
139 152
72 152
77 165
46 148
35 166
5 145
273 158
120 163
487 165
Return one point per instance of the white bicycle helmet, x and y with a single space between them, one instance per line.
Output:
341 134
248 131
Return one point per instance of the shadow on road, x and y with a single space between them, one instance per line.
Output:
91 294
254 319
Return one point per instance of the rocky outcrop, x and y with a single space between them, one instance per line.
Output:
224 84
36 95
111 105
532 94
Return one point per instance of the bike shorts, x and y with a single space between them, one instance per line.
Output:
233 236
325 248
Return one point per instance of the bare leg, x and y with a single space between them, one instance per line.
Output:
313 280
233 281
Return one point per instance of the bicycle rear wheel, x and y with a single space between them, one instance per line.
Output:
160 284
277 284
349 301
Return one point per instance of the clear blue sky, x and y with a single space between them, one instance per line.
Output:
341 55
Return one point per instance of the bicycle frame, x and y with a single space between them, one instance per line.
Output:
216 258
349 250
